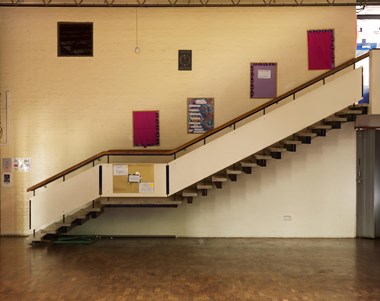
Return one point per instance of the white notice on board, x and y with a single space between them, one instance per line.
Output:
120 170
264 74
146 187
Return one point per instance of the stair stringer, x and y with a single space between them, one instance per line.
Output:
280 123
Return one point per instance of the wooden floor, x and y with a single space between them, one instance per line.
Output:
192 269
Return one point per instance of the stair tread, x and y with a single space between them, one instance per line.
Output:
350 112
336 118
292 142
231 171
306 134
189 193
38 237
52 229
204 186
248 164
262 157
321 127
219 179
277 149
360 105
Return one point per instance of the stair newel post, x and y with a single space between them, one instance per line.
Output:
167 180
100 179
30 214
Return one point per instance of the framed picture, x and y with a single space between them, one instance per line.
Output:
200 115
184 60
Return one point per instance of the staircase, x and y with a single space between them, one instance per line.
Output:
199 185
273 152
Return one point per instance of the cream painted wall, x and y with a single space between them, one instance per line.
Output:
315 186
67 109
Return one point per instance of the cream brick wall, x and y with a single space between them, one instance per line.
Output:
64 110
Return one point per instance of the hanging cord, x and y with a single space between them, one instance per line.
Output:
137 49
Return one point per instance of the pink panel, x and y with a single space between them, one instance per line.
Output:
321 49
145 128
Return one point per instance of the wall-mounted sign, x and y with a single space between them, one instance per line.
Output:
22 164
120 169
6 179
200 115
7 165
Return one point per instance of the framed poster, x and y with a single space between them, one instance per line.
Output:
184 60
320 45
263 80
146 128
200 115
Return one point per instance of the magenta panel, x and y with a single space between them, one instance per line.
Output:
321 49
145 128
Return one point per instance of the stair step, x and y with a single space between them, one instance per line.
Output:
276 152
350 112
231 171
321 127
219 179
189 193
294 142
247 164
262 157
277 149
335 119
52 229
359 105
37 238
206 186
306 134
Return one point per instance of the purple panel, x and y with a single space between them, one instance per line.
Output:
263 80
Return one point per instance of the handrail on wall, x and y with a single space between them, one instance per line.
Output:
173 152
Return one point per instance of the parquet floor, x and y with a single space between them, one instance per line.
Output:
192 269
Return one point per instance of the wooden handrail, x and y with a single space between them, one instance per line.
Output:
167 152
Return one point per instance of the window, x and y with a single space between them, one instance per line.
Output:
75 39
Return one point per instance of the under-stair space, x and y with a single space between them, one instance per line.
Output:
255 144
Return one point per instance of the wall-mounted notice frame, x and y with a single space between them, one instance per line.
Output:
138 179
263 80
320 44
146 128
184 60
6 179
200 115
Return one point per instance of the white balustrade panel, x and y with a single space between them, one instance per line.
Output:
262 132
50 203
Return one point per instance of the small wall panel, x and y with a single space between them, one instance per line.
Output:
321 49
146 128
